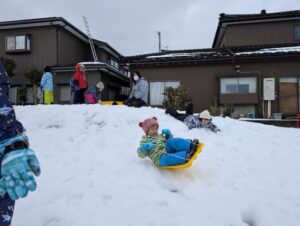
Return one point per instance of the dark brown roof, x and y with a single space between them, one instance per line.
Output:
203 56
259 17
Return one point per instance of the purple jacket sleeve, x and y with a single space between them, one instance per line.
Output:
9 126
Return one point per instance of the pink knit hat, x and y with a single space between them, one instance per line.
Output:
148 123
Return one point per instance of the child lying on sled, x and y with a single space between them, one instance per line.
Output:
163 149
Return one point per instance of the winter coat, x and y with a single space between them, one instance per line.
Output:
79 78
159 149
73 86
193 121
47 82
94 91
140 90
9 126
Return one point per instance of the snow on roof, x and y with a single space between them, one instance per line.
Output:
272 50
91 62
181 54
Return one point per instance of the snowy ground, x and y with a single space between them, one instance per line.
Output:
247 175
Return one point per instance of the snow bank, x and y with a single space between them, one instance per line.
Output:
247 175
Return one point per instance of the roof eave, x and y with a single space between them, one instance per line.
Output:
101 67
213 61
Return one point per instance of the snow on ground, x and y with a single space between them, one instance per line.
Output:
249 174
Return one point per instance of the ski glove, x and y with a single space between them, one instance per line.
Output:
167 133
147 147
17 171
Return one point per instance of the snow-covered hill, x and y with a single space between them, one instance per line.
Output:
249 174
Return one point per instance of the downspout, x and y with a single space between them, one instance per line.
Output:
130 80
57 49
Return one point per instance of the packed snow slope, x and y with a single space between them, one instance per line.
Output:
249 174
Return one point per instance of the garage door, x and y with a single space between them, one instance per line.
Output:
288 96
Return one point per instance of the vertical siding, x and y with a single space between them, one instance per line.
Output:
71 49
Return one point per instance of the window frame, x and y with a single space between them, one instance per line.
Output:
161 81
27 43
114 63
295 27
237 84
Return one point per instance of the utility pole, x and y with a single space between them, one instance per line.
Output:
159 41
86 24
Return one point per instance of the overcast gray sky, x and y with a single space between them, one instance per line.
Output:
131 26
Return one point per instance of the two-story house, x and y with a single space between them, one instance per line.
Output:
247 50
55 42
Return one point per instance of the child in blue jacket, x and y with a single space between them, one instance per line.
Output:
18 162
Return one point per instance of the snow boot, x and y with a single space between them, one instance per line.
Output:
193 147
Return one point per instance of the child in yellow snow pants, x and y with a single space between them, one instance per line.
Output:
48 97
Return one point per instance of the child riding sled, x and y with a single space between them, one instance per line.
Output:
163 149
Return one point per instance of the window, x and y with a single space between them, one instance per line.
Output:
19 43
10 43
29 95
297 32
238 85
65 93
124 71
114 63
299 93
157 89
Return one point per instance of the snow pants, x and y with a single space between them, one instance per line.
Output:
133 102
48 97
79 96
6 207
178 148
188 111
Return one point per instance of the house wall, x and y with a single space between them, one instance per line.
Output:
52 46
43 50
203 80
71 49
259 34
61 82
112 85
